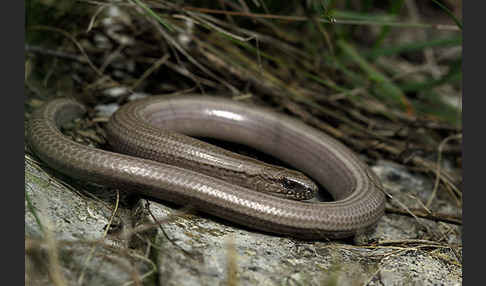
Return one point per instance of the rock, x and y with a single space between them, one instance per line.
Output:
77 224
191 248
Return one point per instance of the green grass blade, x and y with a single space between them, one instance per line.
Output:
458 23
385 30
31 208
454 75
383 88
153 14
416 46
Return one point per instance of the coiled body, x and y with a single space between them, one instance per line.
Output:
136 127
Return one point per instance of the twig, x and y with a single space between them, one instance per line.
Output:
150 70
432 216
75 42
58 54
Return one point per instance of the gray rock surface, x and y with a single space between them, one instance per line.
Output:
191 248
77 221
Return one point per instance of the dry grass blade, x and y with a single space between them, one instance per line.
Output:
439 158
327 21
55 271
93 249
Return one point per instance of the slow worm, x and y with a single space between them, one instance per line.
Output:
135 129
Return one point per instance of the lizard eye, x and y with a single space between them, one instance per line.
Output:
289 184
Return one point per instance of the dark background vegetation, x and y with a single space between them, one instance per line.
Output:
384 77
